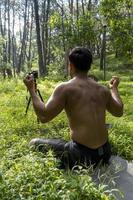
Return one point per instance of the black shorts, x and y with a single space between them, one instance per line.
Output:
72 153
80 154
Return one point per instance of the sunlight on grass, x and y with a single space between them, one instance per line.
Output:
25 174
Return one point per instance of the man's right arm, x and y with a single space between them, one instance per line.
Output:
55 104
115 104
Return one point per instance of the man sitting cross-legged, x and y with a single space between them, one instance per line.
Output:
85 102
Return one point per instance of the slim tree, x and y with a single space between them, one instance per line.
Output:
23 44
42 66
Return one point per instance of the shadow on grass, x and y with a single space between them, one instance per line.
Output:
118 175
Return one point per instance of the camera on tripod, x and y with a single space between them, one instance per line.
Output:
34 73
35 76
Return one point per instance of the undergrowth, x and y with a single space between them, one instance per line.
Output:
29 175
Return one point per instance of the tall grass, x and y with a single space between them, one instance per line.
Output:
29 175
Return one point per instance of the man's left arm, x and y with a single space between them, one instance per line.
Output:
55 104
115 104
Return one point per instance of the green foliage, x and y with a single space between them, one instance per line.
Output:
25 174
114 66
68 32
56 69
118 14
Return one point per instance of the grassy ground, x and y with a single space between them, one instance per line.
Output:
29 175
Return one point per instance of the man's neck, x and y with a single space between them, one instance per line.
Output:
81 75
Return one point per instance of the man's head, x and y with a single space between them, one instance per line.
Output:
80 59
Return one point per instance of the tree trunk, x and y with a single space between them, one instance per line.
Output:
14 43
71 7
83 9
42 67
5 60
63 27
9 35
103 52
45 30
29 59
77 7
23 45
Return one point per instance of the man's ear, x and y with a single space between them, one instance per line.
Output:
71 67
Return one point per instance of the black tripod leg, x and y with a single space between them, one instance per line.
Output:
30 101
28 105
40 95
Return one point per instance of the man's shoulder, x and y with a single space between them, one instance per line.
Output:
63 87
105 92
66 84
103 89
66 88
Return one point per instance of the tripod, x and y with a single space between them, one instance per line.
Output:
29 100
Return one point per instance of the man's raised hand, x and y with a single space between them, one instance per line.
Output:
29 82
114 82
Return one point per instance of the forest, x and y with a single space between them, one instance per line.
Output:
38 34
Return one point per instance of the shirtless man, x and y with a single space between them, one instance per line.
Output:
85 102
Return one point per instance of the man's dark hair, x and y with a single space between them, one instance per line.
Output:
81 58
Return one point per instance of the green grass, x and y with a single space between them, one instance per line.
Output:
114 66
30 175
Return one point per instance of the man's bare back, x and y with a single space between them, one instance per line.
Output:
85 108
